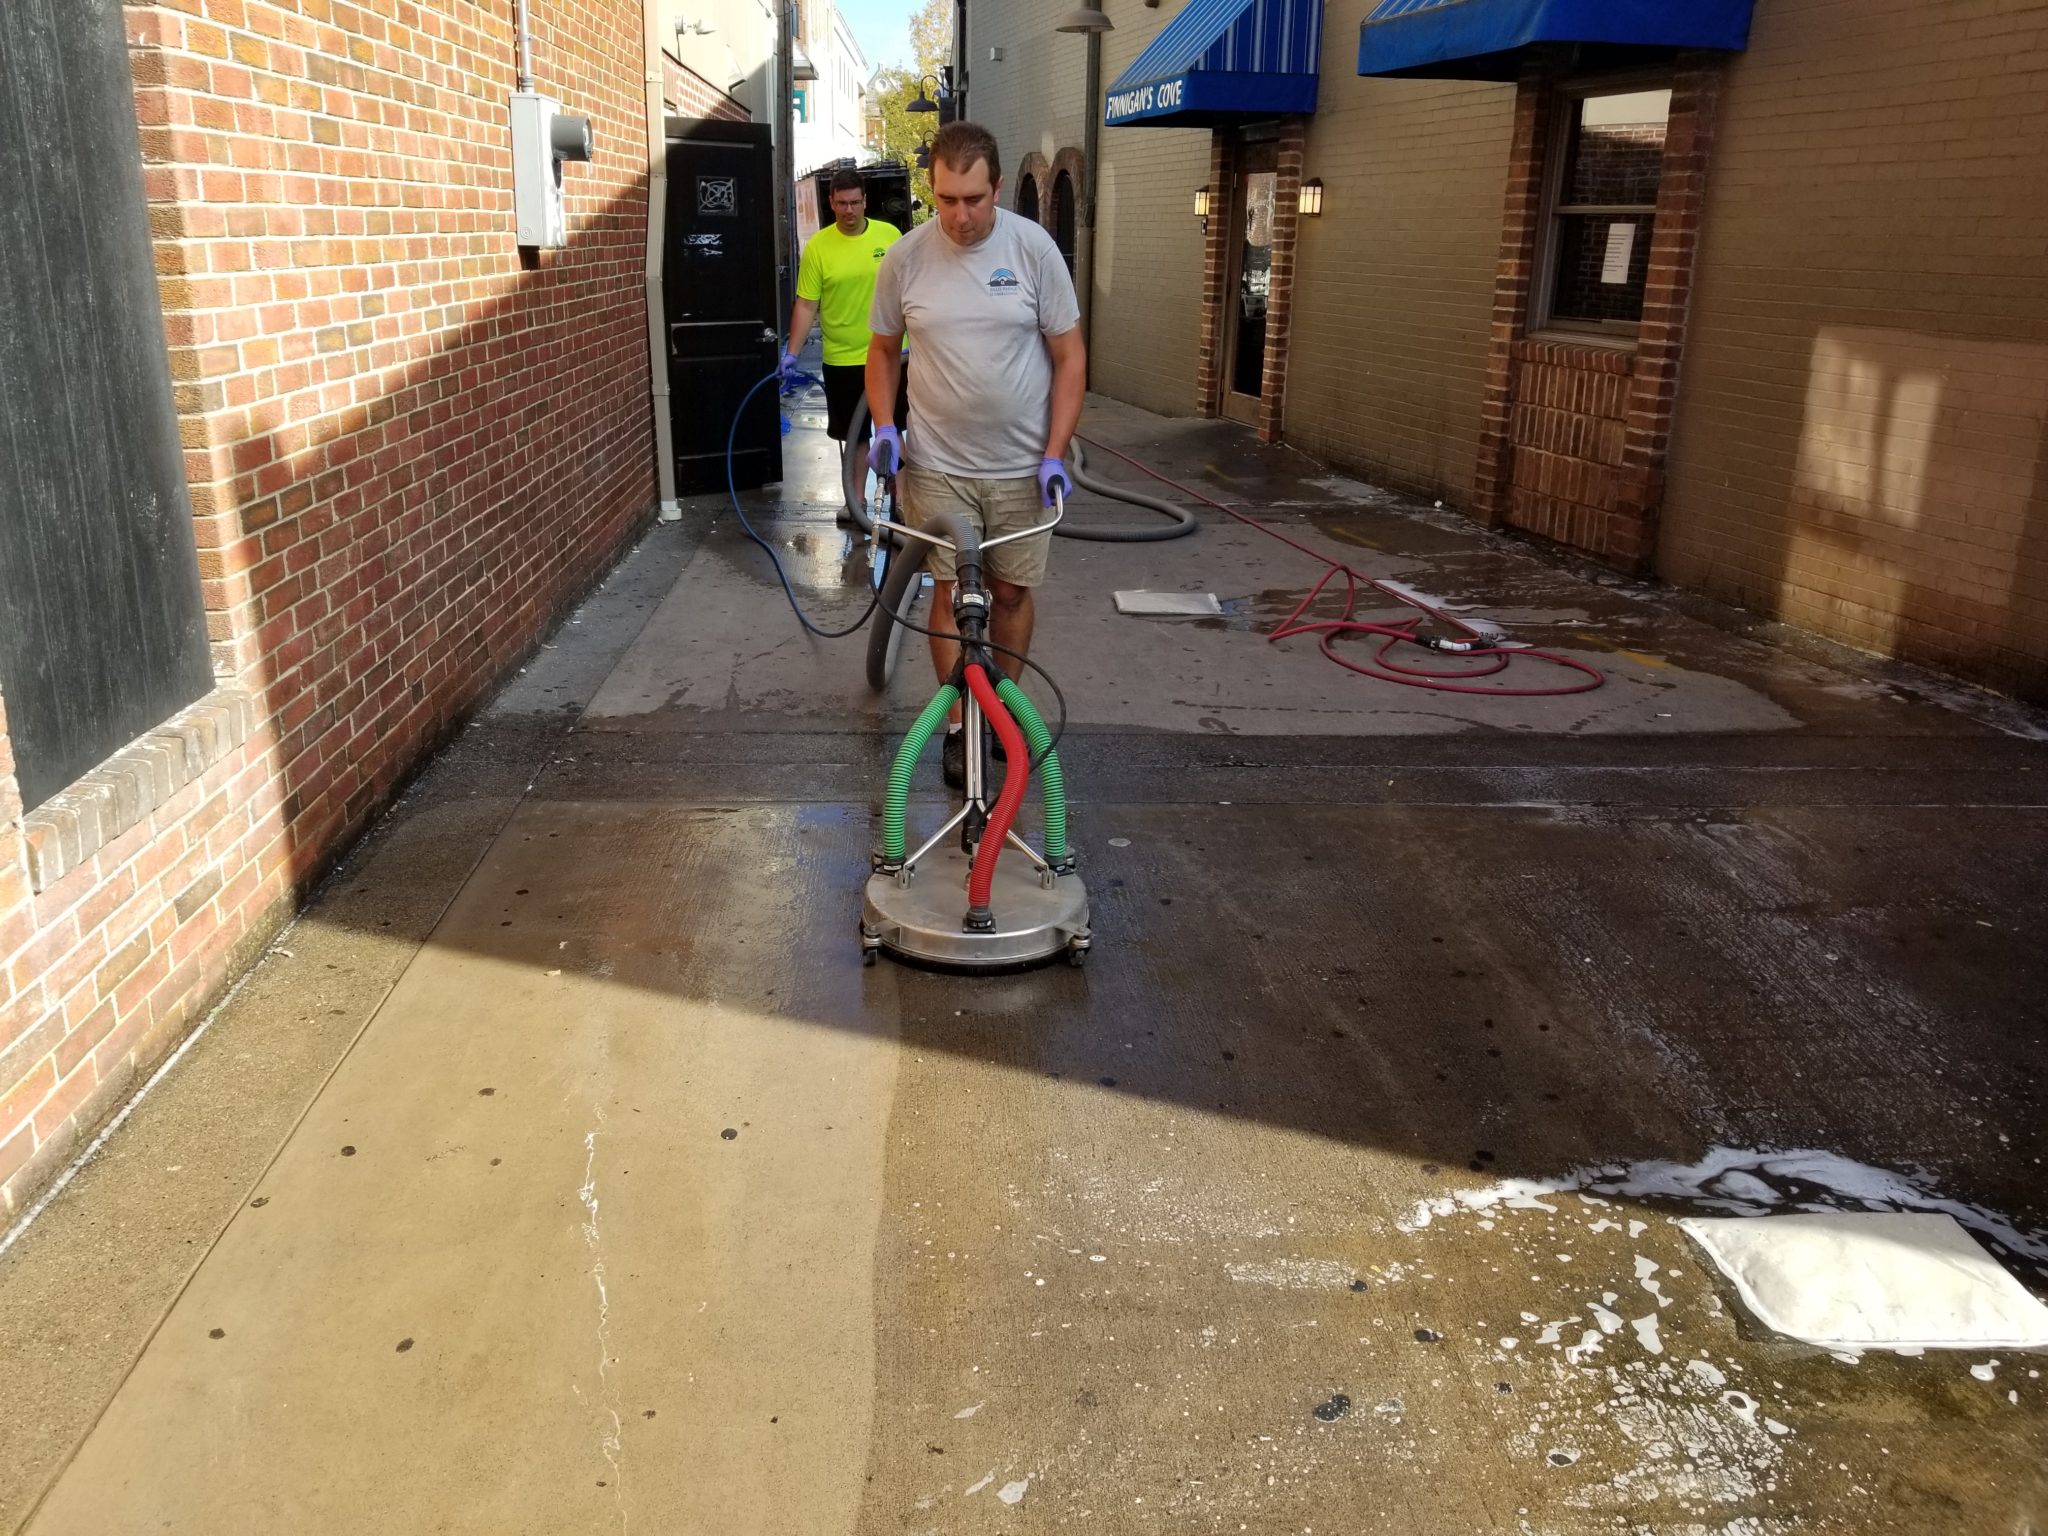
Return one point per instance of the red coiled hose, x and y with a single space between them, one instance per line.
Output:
981 881
1491 659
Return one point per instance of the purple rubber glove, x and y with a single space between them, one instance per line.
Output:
885 457
786 370
1053 472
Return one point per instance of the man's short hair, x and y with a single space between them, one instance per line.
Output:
847 179
960 144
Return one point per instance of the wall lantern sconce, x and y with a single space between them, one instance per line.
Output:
924 157
1086 18
1202 207
922 102
1312 197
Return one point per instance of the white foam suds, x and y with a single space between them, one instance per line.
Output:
1591 1343
1610 1322
1988 1371
1712 1375
1742 1182
1646 1270
1646 1333
1681 1443
971 1492
1013 1493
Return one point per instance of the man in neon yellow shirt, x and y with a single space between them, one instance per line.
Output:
836 282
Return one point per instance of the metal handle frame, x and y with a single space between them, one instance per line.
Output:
1059 512
971 717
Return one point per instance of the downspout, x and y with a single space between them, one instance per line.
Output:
781 115
657 309
1091 143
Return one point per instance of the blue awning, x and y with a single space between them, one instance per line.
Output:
1220 62
1483 39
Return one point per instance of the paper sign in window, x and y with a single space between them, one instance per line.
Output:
1621 244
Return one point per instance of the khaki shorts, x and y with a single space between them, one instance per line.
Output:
994 507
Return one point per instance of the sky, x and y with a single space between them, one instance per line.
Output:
882 29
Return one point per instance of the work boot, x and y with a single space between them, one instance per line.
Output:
953 762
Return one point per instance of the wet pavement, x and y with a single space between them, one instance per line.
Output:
563 1169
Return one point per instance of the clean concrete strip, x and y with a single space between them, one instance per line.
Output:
512 1272
144 1206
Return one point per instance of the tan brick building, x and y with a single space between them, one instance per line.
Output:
1762 310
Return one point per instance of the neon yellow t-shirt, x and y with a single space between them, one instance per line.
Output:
838 275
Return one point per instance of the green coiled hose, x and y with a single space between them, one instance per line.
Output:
906 763
1026 714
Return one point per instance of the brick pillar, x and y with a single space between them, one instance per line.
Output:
1215 274
1280 294
1521 221
1660 343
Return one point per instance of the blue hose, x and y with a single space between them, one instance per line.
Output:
732 490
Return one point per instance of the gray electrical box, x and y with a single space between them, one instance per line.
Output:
543 136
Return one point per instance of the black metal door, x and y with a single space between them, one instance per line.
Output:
719 285
102 636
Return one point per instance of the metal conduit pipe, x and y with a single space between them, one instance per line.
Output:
525 35
657 224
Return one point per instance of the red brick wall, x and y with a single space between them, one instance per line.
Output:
685 93
1568 427
407 452
1216 256
1280 291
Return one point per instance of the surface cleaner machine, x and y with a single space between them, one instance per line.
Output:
962 903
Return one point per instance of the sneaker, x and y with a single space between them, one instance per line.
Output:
953 760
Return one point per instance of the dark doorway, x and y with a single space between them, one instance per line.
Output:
888 192
719 286
1063 216
104 636
1252 207
1027 196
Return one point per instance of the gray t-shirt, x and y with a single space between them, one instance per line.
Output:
977 319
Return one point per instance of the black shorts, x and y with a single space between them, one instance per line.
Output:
845 383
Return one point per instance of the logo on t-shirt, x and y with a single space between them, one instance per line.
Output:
1002 280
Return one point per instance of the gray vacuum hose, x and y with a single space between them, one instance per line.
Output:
1182 525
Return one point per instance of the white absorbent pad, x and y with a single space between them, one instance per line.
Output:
1169 605
1865 1280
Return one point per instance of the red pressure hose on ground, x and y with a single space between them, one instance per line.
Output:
981 881
1382 666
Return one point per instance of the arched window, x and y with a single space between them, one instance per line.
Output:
1027 196
1063 216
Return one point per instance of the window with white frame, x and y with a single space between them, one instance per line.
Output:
1606 164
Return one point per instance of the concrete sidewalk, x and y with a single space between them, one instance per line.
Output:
562 1170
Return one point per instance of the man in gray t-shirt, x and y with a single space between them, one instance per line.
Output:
985 298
